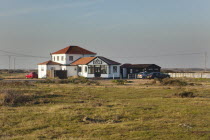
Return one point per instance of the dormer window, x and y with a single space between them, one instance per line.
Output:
71 58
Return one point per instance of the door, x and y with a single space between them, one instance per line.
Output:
97 71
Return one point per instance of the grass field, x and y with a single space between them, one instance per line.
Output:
136 110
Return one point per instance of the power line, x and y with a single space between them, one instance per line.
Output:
159 55
19 54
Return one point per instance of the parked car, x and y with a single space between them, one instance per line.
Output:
32 75
142 75
160 75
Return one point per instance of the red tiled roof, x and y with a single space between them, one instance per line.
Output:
73 50
86 60
49 63
83 61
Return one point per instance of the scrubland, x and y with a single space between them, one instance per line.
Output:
84 109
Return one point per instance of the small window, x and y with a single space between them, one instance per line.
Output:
85 69
71 58
54 58
57 58
79 69
42 68
114 69
62 58
131 70
52 68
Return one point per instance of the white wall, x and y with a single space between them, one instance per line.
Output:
54 58
83 73
45 68
108 75
42 71
66 57
71 70
115 74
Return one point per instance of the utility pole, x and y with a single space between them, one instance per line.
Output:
205 57
9 63
14 63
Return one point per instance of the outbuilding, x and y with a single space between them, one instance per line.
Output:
137 68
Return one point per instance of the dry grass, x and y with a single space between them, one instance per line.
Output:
107 111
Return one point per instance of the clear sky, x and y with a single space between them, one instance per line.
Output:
170 33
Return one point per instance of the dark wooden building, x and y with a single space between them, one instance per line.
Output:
137 68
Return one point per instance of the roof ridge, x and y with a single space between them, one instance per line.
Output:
73 50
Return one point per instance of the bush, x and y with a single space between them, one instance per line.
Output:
77 80
15 84
119 82
91 82
170 82
185 94
46 81
13 98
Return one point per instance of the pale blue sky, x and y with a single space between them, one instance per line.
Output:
124 30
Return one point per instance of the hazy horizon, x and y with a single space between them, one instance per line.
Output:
172 34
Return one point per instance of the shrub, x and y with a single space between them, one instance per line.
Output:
185 94
93 82
78 80
15 83
119 81
173 82
13 98
46 81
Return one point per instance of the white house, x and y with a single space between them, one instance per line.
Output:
78 61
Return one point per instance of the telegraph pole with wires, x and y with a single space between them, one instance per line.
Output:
9 63
205 61
14 63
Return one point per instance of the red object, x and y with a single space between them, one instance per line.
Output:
32 75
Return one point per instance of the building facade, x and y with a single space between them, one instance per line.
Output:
77 61
137 68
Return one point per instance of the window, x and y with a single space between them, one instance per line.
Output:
57 58
71 58
85 69
52 68
90 69
42 68
54 58
114 69
131 70
79 69
103 69
62 58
